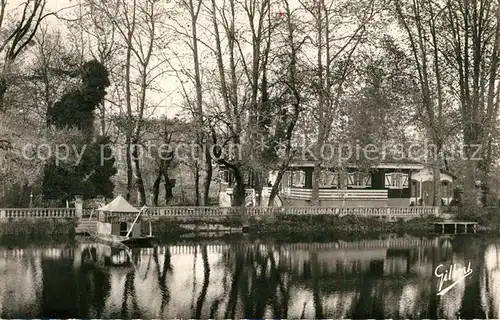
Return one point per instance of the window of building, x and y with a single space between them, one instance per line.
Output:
329 179
415 191
298 179
359 180
396 180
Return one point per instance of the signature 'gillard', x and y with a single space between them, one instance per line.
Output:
447 275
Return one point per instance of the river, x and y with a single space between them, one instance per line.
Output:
388 277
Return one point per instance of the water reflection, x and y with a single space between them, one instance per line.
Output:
383 278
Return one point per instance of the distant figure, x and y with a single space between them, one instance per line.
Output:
269 184
420 202
412 204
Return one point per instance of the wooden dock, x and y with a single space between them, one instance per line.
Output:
457 225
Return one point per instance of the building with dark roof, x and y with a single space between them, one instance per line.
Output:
388 182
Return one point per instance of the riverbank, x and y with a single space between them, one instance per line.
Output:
288 225
300 225
37 227
280 224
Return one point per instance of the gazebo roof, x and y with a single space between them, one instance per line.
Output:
119 204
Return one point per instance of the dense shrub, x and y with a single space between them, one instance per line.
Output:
487 218
38 227
335 224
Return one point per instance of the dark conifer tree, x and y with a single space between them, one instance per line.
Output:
91 176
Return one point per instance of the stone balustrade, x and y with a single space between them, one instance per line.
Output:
18 213
264 211
193 212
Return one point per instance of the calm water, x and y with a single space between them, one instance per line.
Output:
385 278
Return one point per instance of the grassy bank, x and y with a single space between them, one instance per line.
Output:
288 225
277 226
37 227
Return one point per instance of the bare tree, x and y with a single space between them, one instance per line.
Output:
334 57
138 24
19 37
293 88
419 21
473 44
192 39
240 112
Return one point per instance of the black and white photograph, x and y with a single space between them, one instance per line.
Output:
249 159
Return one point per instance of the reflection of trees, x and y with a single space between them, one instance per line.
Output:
258 281
162 276
276 273
368 303
206 281
316 275
60 290
101 289
129 292
193 293
94 286
74 292
237 273
490 281
432 311
93 283
472 250
32 259
259 278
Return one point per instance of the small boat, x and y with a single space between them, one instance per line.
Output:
119 224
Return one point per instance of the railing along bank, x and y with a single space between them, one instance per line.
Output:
264 211
37 213
230 211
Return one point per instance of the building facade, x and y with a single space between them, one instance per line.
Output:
387 184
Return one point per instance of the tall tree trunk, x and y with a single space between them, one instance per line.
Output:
238 189
208 175
139 182
293 84
130 173
320 109
484 166
276 185
128 95
260 181
156 189
315 183
194 10
470 191
168 188
436 174
196 184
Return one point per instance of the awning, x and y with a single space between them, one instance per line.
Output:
119 205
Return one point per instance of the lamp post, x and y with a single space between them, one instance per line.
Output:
31 199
